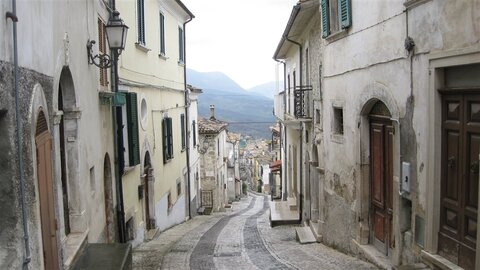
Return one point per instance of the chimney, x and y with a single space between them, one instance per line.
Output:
212 112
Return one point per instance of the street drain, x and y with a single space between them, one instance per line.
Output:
228 254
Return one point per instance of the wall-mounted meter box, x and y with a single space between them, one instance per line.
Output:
406 177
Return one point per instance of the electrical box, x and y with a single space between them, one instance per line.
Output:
406 180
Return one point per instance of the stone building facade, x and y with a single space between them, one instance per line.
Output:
393 131
213 162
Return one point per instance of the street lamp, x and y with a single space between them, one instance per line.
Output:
116 36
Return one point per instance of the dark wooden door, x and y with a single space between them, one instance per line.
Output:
45 185
459 192
381 198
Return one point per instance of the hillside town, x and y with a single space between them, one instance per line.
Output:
111 158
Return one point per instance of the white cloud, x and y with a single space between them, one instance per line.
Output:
237 38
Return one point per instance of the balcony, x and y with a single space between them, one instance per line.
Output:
279 105
302 98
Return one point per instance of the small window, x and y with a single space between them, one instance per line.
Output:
162 34
338 121
92 181
317 116
336 15
167 139
181 51
170 202
179 188
141 22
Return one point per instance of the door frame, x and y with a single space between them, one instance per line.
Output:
436 79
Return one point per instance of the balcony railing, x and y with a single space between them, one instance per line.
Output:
302 101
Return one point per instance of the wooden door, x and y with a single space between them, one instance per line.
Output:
45 185
381 198
459 192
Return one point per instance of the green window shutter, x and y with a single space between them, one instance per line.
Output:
165 140
345 13
325 19
170 138
132 127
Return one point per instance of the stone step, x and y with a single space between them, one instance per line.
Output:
305 235
292 203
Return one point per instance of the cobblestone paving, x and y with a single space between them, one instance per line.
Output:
238 239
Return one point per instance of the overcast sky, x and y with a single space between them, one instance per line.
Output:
236 37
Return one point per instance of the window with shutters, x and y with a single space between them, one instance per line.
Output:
162 34
130 130
182 130
336 16
181 57
102 49
167 135
141 22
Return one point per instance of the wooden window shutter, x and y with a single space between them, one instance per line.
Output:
102 48
325 19
132 127
345 13
170 138
165 139
182 126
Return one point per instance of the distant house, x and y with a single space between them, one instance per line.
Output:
213 160
193 138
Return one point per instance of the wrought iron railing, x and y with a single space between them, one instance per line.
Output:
301 101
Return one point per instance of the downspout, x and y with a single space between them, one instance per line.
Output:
300 48
13 16
118 144
187 107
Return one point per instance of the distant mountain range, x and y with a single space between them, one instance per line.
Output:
267 89
248 112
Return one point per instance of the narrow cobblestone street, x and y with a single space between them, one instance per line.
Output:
240 238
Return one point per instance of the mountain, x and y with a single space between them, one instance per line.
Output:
247 112
267 89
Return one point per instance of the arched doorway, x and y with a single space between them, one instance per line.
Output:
148 181
381 178
110 234
43 147
73 204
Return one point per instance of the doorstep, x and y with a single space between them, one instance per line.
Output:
438 262
371 254
281 214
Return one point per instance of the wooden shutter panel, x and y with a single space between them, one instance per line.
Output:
345 13
132 127
325 19
170 138
162 33
141 21
165 139
182 126
180 44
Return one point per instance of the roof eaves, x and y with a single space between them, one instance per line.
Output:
286 32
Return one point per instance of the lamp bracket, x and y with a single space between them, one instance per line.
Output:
101 60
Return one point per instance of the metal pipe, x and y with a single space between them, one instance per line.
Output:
187 107
18 117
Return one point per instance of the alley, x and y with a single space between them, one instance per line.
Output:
240 238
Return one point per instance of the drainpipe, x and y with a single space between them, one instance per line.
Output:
187 109
284 158
118 144
13 16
